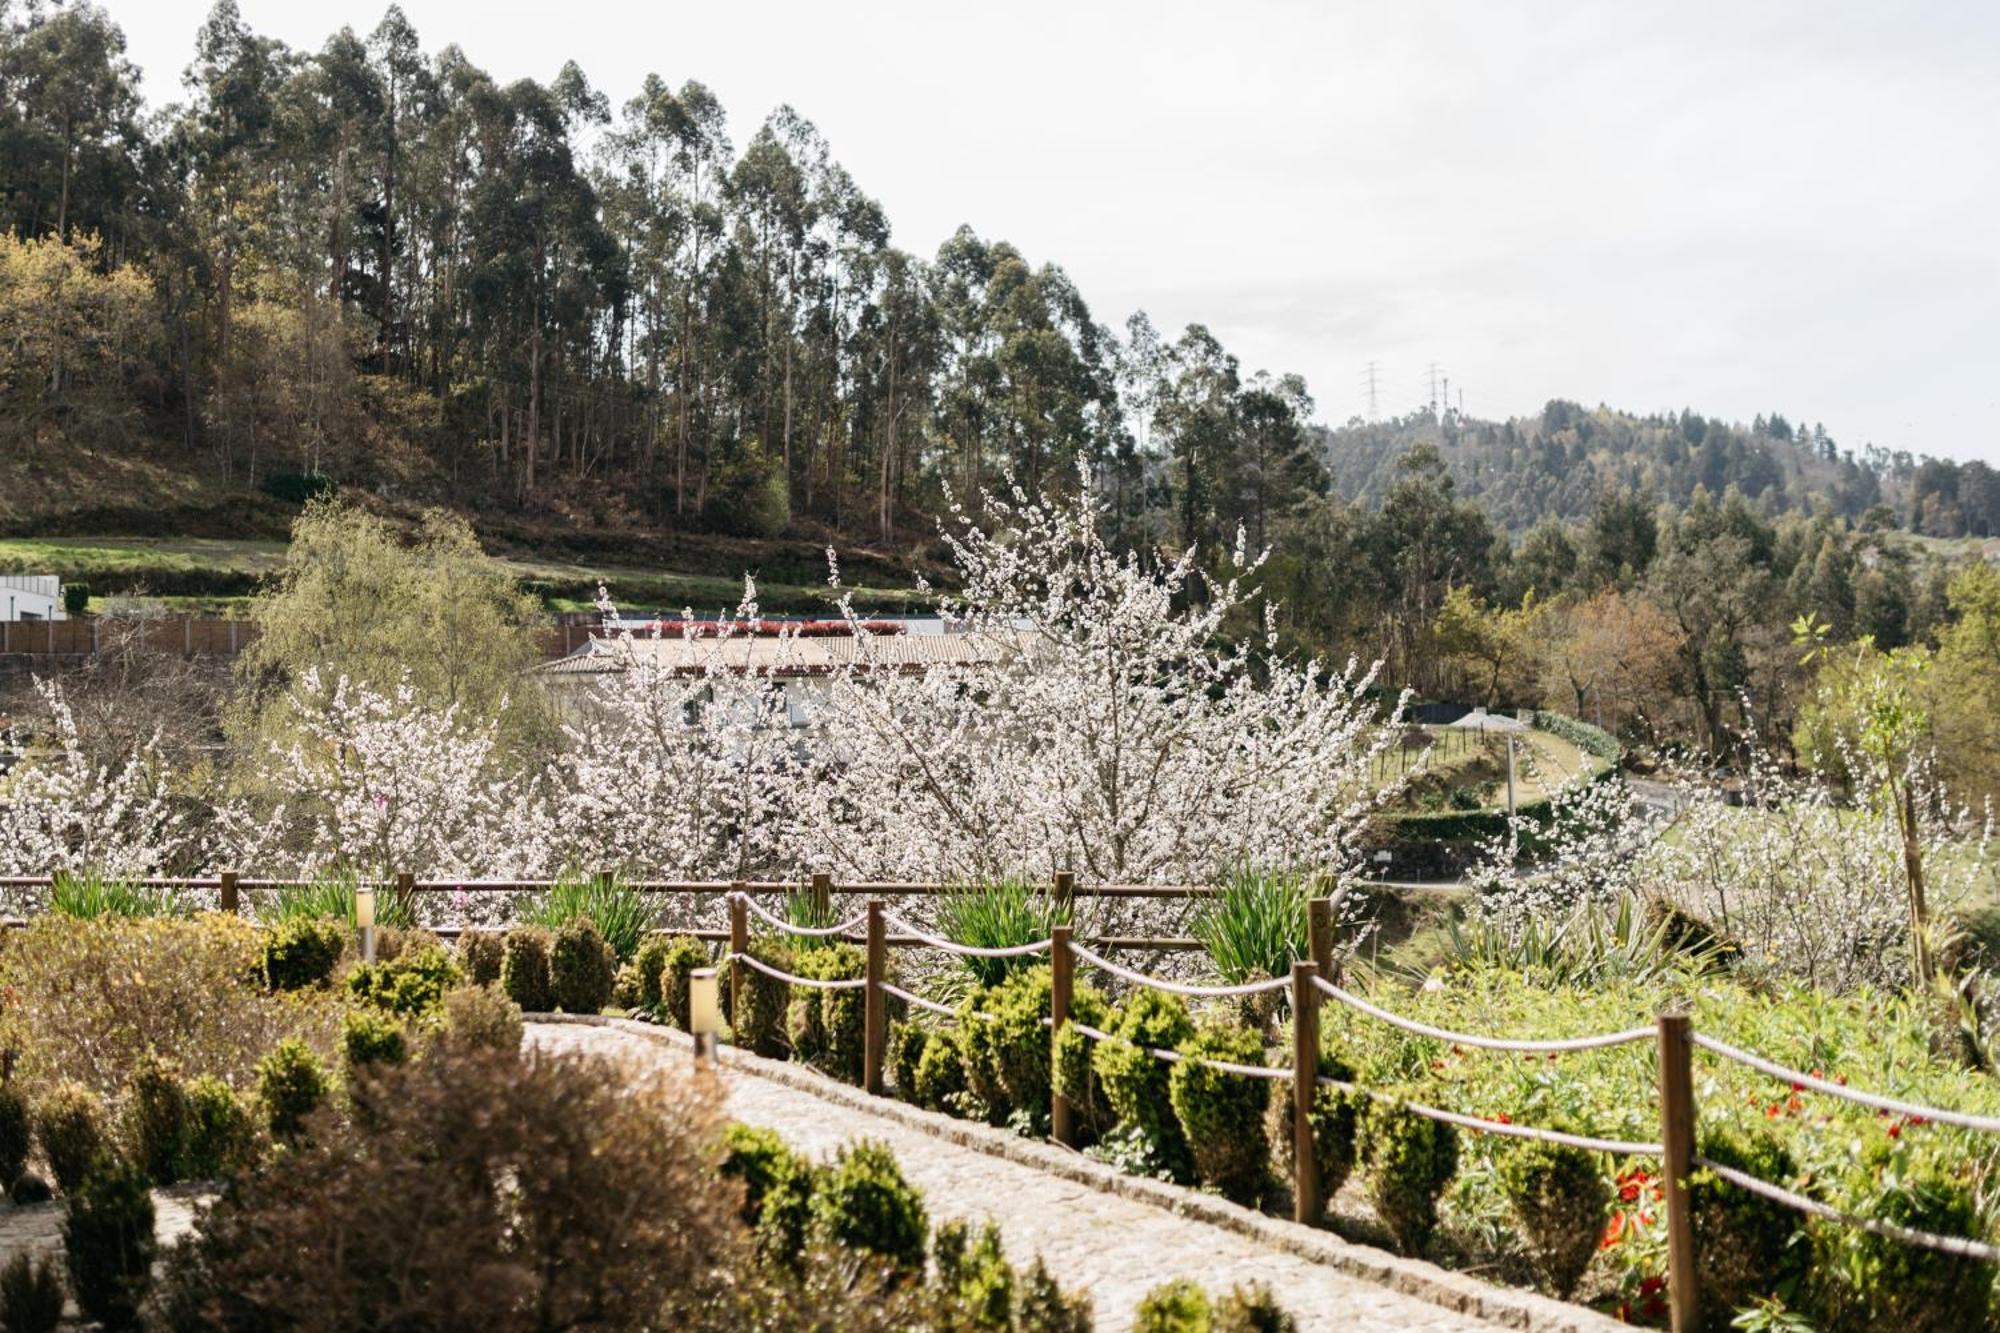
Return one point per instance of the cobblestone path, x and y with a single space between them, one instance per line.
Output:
1115 1248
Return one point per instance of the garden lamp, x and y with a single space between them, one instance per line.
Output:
704 1012
364 918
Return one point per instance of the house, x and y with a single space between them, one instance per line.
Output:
31 597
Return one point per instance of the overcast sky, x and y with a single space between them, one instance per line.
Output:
1738 207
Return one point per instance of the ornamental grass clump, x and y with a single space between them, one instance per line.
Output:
1136 1082
221 1135
1222 1114
108 1244
1411 1159
31 1294
1560 1199
621 914
860 1200
1745 1245
1256 926
155 1120
581 968
291 1085
301 951
999 914
1334 1120
89 897
524 969
69 1124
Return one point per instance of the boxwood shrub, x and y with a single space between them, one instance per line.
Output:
684 956
1179 1306
826 1027
1071 1070
480 955
861 1200
108 1244
156 1120
581 967
220 1134
524 969
940 1082
69 1123
1411 1159
1560 1198
292 1084
1745 1246
369 1037
412 984
1135 1082
1221 1114
302 951
1334 1119
760 1028
1863 1281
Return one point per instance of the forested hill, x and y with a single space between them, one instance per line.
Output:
1558 464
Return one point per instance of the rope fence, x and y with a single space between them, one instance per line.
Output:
1798 1079
1929 1240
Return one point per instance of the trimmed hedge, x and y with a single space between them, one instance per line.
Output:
1594 741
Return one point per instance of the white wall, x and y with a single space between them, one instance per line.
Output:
30 597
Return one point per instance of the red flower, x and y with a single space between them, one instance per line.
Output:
1896 1130
1614 1231
1652 1285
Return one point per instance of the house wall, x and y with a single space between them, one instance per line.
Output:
30 597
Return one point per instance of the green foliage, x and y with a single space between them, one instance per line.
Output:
1560 1199
580 967
16 1134
1253 1309
758 1159
1071 1070
622 914
1591 740
1588 946
291 1084
69 1124
156 1120
108 1244
480 955
861 1201
301 951
980 1057
1179 1306
973 1276
1334 1120
1008 1055
412 984
1862 1281
906 1050
760 1027
1222 1115
684 956
999 914
87 897
76 599
220 1133
1745 1246
524 969
371 1037
1044 1307
1411 1159
481 1018
329 896
1135 1082
31 1294
1256 927
939 1080
827 1027
647 960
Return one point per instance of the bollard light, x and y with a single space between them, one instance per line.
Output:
364 919
704 1012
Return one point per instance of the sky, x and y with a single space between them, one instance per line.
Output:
1736 207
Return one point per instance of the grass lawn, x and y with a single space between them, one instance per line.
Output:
1543 764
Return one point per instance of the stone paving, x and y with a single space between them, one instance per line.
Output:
1112 1247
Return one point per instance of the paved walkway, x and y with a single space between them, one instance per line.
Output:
1114 1248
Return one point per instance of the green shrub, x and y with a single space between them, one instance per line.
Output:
1221 1114
480 1017
940 1074
580 968
108 1244
1560 1198
973 1277
1334 1122
759 1159
1253 1309
292 1084
330 897
1256 926
69 1122
76 599
1016 1048
524 969
1071 1072
90 897
1179 1306
906 1051
299 488
16 1135
480 953
1743 1244
1003 914
647 960
827 1027
684 956
301 952
1044 1307
31 1295
369 1037
981 1057
220 1136
861 1201
1136 1082
156 1120
412 984
1411 1159
760 1028
1864 1281
621 914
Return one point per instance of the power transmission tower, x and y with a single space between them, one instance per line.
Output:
1369 376
1432 372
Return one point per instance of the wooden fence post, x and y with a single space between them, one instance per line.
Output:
874 1012
1319 935
1062 974
822 898
228 902
1677 1164
1306 1203
1065 890
739 944
406 893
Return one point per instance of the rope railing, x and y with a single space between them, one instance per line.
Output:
966 950
1929 1240
1176 987
1519 1045
1176 1057
929 1006
777 922
1874 1101
1504 1128
814 983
